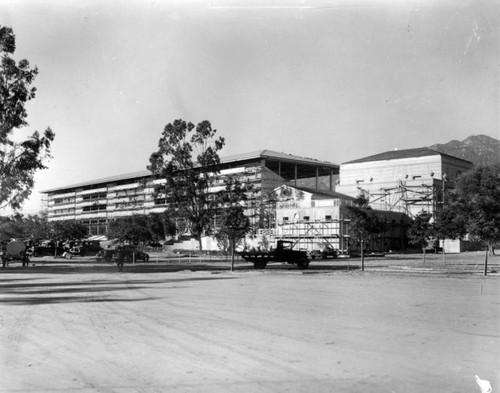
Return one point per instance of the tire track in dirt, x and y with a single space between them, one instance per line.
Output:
104 338
229 347
17 339
80 340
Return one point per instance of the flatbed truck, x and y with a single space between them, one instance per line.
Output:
283 252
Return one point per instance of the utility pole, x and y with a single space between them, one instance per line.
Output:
445 179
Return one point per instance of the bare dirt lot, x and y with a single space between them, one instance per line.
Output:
83 327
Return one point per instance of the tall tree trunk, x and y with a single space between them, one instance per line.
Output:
486 261
231 244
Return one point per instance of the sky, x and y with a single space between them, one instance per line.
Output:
334 80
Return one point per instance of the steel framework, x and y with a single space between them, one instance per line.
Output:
403 196
314 235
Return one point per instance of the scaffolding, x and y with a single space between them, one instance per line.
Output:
316 235
404 197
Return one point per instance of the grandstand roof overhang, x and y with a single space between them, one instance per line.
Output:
259 154
233 160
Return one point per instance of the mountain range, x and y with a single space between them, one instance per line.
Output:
479 149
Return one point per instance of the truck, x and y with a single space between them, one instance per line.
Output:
283 252
15 251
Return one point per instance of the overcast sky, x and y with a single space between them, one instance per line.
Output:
332 80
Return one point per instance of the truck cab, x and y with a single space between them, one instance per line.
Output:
285 253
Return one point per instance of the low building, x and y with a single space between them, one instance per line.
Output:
98 201
317 219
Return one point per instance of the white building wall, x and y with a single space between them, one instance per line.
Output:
398 184
374 175
394 184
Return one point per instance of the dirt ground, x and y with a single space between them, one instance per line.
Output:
83 327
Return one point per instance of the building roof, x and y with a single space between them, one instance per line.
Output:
278 156
102 180
401 154
226 159
324 194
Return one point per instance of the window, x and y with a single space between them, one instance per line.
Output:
59 201
132 192
99 195
328 218
94 208
64 211
306 218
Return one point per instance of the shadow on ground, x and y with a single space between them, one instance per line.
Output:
35 300
32 293
214 267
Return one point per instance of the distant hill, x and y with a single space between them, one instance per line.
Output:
480 149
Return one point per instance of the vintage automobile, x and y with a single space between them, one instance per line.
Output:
85 248
47 248
126 253
326 252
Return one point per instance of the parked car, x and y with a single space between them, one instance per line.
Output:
106 254
47 249
127 253
155 245
85 248
326 252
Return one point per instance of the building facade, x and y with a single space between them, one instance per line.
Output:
316 219
96 202
406 181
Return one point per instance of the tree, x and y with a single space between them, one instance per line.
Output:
364 225
448 225
421 230
61 231
68 230
29 228
160 226
187 158
11 228
36 227
475 202
234 224
18 160
133 229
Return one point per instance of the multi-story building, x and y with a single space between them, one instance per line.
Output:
96 202
407 181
